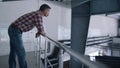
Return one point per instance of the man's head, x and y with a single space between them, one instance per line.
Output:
45 9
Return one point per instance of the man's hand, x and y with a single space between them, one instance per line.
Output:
40 33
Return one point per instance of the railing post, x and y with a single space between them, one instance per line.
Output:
60 59
39 52
45 53
35 54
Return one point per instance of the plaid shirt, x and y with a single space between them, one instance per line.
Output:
29 21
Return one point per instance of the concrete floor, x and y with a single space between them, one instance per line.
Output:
30 61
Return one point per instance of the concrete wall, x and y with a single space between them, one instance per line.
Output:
101 25
9 11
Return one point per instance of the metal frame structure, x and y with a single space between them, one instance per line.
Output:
64 47
83 59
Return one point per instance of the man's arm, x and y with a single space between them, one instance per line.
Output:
39 26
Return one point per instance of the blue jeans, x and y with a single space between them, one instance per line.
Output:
16 48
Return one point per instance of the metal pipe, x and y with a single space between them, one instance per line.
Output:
60 59
45 53
77 55
49 63
35 54
39 53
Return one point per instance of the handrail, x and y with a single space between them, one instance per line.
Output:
77 55
98 40
96 37
94 40
109 41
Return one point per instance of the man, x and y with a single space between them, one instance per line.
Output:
24 24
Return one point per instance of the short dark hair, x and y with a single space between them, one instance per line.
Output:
44 7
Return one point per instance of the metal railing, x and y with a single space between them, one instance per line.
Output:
91 41
77 55
83 59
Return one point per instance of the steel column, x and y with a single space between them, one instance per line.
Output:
79 31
